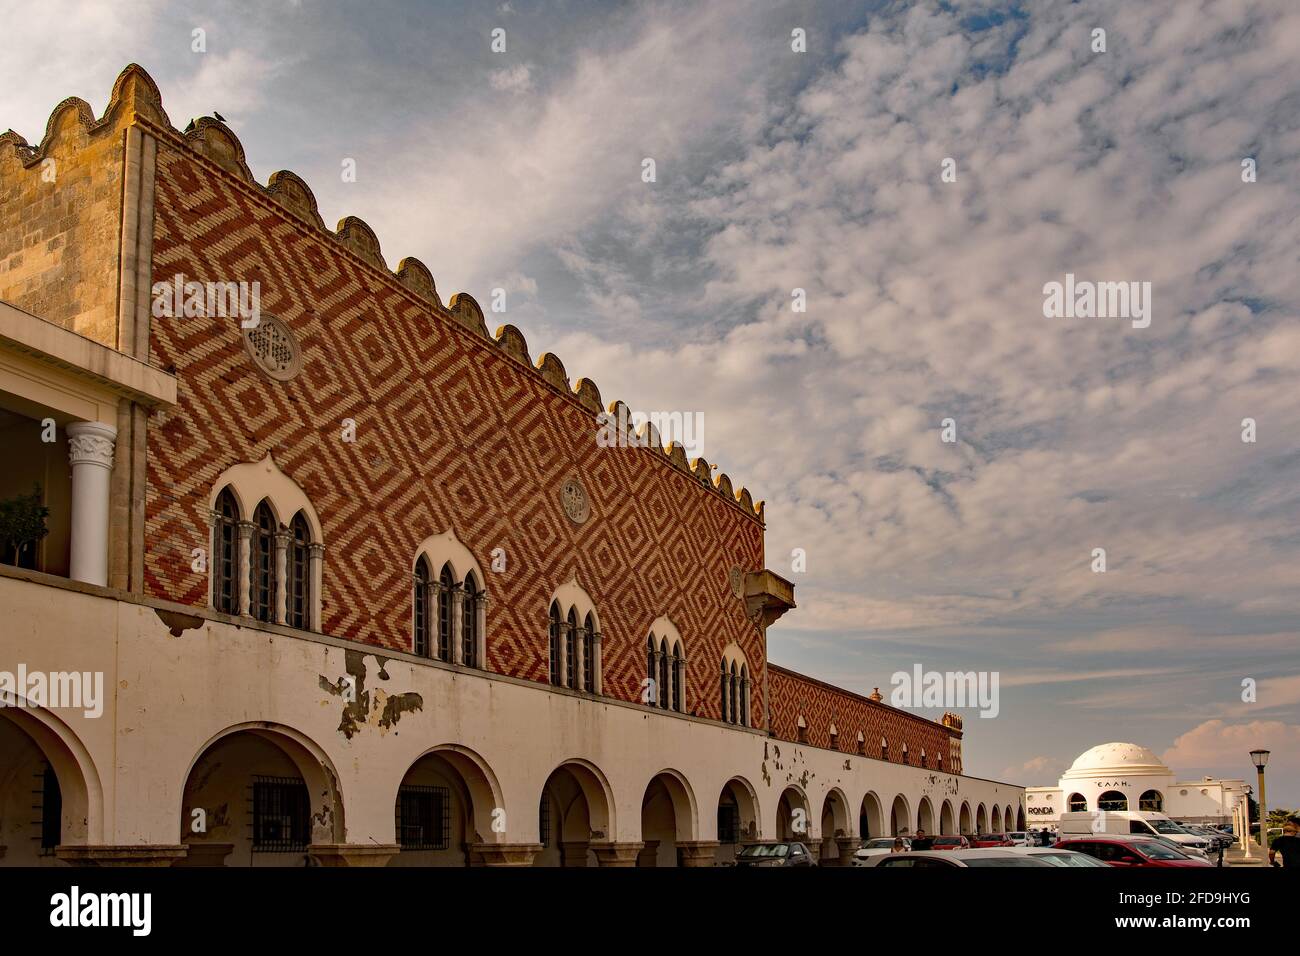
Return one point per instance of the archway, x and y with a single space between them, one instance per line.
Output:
995 821
1112 800
1020 818
981 820
925 816
444 806
834 823
793 821
49 790
1152 800
964 821
575 810
738 818
1008 819
259 794
946 824
871 818
899 817
1077 803
667 816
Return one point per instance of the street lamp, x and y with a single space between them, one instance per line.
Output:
1260 758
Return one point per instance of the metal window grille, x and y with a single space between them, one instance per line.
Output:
679 672
728 823
421 599
281 815
469 624
724 692
570 648
300 575
588 655
650 671
445 585
424 818
555 645
663 675
263 603
544 822
225 562
49 804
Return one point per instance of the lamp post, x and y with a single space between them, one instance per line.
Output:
1260 758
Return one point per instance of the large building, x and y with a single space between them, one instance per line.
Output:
1120 776
359 581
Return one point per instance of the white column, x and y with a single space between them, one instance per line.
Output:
580 653
317 552
457 625
283 540
90 450
245 568
481 608
564 651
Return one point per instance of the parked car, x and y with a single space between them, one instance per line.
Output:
774 854
936 859
1136 822
1121 850
1216 837
1057 856
876 846
985 840
950 843
1020 838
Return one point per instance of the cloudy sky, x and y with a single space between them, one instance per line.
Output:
822 170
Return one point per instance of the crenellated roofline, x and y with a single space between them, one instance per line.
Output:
136 94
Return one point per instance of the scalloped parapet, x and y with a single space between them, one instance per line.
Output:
135 93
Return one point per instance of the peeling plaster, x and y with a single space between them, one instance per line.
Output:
379 709
178 623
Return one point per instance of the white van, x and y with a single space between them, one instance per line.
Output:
1142 822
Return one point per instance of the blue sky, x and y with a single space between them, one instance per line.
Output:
779 170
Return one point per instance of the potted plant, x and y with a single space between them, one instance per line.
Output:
22 526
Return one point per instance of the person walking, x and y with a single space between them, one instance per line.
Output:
1287 846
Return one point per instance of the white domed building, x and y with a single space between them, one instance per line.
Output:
1122 776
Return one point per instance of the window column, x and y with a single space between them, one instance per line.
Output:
595 661
283 541
580 653
90 452
480 608
245 568
317 552
457 625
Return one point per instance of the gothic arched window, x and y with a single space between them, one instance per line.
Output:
555 644
422 618
446 586
225 554
299 571
262 596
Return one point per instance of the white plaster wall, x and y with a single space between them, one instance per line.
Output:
169 696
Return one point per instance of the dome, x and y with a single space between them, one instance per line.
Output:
1116 757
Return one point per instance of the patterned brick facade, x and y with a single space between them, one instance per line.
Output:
451 431
821 705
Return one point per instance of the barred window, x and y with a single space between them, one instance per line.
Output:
421 599
652 695
725 715
744 695
735 694
589 654
679 672
446 584
262 598
51 811
555 643
544 821
884 749
281 814
225 555
469 622
299 610
728 823
663 674
424 818
570 647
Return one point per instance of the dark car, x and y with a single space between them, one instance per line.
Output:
992 839
775 854
1130 851
950 843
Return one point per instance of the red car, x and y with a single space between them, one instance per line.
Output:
1129 851
950 843
992 839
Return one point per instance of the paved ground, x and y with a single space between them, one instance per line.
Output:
1234 857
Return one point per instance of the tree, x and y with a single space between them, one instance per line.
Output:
22 526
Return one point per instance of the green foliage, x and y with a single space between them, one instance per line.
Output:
22 524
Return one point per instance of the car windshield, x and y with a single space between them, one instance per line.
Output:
1166 826
1004 861
948 841
1016 836
878 845
1069 859
1158 851
765 851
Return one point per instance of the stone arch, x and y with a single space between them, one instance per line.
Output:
445 548
981 820
254 482
871 816
793 815
475 796
900 816
947 824
995 819
577 805
739 814
668 817
1008 819
965 822
834 823
30 737
925 816
1020 818
244 751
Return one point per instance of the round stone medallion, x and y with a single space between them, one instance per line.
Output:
574 499
273 348
737 580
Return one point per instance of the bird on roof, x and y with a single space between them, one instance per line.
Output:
218 116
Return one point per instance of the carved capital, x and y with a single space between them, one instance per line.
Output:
91 443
